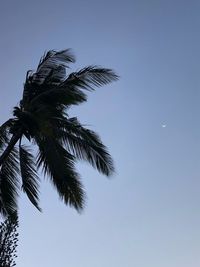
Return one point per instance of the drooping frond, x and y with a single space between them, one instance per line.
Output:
59 165
86 144
9 183
89 77
29 176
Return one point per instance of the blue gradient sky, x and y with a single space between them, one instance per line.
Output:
148 215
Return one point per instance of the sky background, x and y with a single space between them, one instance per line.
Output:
148 215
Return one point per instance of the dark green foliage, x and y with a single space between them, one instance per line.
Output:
43 120
8 241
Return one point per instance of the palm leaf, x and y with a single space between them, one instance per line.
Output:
53 58
68 92
4 132
9 184
29 176
90 76
50 71
86 144
59 165
51 61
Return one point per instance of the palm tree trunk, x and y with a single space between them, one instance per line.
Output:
10 146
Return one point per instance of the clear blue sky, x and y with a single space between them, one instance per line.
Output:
148 215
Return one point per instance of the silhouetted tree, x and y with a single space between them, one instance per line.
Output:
8 241
42 118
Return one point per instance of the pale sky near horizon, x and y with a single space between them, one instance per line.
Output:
148 214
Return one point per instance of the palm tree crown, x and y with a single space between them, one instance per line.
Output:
42 118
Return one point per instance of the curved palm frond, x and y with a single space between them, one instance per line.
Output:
51 61
29 177
90 76
87 145
59 165
68 92
53 58
9 184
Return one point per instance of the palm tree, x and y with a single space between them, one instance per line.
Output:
42 119
8 241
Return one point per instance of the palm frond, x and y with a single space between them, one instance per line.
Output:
90 76
86 144
9 184
59 165
50 72
51 61
29 176
68 92
5 132
52 58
